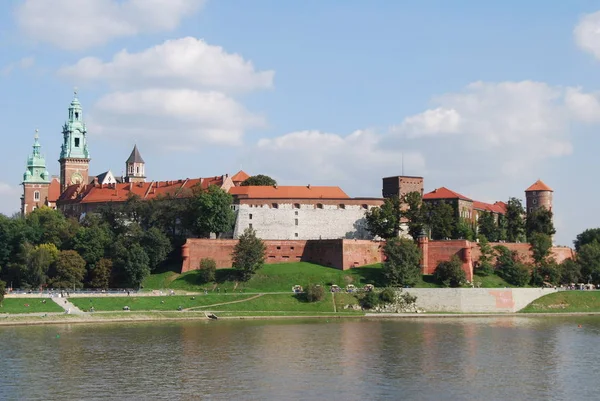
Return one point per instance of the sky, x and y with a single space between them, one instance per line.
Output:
484 98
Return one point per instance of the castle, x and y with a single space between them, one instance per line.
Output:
274 212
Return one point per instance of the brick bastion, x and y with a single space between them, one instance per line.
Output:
345 254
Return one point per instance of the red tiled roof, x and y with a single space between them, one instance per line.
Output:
288 192
240 176
120 192
539 185
54 190
498 207
444 193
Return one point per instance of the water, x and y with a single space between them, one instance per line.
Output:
432 359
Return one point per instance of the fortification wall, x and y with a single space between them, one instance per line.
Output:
476 300
297 221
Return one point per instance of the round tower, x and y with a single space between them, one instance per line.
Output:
538 195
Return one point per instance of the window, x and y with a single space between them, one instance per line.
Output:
534 201
250 226
319 206
274 205
250 216
76 115
296 221
76 142
291 248
35 207
530 210
278 247
342 206
137 170
296 213
36 195
296 235
296 206
365 206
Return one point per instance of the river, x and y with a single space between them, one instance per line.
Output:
419 359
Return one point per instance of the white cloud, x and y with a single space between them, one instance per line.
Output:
23 64
175 119
431 122
186 62
584 106
356 162
84 24
587 33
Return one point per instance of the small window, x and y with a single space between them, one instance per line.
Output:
274 205
365 206
278 247
534 201
33 208
36 195
296 235
250 225
296 206
296 213
76 142
530 210
250 216
137 170
76 115
296 221
342 206
291 248
319 206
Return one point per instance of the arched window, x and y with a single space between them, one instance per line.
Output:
36 196
137 170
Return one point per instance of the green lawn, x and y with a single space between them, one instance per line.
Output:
491 281
164 303
279 303
28 305
566 301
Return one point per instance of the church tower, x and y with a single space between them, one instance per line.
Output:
135 167
74 156
36 180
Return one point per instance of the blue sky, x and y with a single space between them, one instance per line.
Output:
480 97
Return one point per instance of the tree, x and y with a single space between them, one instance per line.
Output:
587 237
414 214
259 180
588 259
487 226
50 226
515 226
510 268
39 259
134 262
450 273
540 221
384 221
2 291
314 293
69 270
209 211
441 219
91 242
208 270
100 274
464 230
502 227
402 262
156 245
248 254
541 245
570 272
484 265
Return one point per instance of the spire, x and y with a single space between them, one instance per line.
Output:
135 156
74 133
36 164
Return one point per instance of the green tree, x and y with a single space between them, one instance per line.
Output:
570 272
156 245
314 293
2 291
209 211
91 242
487 226
132 263
249 254
100 274
510 268
414 214
69 270
39 259
484 264
540 221
259 180
6 240
587 237
450 273
541 245
50 226
384 221
441 219
208 270
515 225
502 227
464 230
402 262
588 259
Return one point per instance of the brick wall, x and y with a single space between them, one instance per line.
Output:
441 251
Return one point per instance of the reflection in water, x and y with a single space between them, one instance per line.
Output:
459 359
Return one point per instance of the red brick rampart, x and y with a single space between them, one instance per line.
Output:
345 254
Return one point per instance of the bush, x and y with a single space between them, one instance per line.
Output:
314 293
208 270
518 274
370 300
450 274
387 296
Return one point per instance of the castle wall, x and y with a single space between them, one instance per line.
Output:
299 220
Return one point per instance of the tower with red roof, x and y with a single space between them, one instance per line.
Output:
538 195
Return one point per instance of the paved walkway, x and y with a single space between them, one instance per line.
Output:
67 306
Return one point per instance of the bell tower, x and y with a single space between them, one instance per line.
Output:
74 156
36 180
135 167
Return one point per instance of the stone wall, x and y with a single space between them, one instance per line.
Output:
295 220
476 300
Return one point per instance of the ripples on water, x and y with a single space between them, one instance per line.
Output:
424 359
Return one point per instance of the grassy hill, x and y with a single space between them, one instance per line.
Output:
566 301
